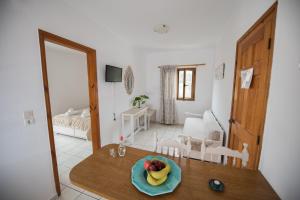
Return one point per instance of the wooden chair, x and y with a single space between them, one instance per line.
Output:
169 145
227 152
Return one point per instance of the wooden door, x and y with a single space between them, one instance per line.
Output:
254 50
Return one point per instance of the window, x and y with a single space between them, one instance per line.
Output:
186 78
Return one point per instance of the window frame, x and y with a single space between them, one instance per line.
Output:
183 98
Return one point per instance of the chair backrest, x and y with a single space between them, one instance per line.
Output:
171 147
227 152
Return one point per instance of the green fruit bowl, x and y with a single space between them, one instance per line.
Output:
139 177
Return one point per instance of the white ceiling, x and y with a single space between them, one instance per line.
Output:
193 23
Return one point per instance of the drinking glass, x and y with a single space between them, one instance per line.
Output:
112 152
122 150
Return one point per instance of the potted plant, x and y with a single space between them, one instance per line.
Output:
139 100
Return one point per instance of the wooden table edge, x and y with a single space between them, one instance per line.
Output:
112 198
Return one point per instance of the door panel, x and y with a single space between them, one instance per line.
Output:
252 111
249 105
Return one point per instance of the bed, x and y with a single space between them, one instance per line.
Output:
75 123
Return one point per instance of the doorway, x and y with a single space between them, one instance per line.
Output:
92 111
254 52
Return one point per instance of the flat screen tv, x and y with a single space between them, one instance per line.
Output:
113 74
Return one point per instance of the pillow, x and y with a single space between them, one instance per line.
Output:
85 113
195 144
214 135
71 111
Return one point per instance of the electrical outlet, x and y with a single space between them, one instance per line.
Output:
28 118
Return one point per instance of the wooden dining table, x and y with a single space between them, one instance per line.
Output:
110 178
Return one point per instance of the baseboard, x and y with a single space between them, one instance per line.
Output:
55 197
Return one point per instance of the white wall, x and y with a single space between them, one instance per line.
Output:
26 168
204 78
280 162
67 78
279 158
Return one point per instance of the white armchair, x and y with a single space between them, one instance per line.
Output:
189 114
202 128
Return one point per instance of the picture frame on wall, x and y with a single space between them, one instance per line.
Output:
220 71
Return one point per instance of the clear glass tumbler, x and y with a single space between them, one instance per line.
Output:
122 149
112 152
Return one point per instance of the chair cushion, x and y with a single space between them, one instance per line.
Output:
195 128
195 144
206 127
211 126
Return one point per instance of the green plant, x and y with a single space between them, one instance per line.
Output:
139 100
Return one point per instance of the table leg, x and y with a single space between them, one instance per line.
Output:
145 121
137 122
132 128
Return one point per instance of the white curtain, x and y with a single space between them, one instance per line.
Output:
167 94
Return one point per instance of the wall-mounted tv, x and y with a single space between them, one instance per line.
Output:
113 74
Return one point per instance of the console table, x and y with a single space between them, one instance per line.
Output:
134 115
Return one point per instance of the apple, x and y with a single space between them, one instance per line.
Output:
147 164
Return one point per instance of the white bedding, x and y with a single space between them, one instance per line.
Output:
62 120
81 123
75 125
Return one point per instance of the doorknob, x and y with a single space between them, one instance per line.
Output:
231 120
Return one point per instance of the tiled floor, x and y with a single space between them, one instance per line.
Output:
145 139
71 151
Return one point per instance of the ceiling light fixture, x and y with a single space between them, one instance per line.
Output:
161 28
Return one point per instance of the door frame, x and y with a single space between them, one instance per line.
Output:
272 9
93 93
